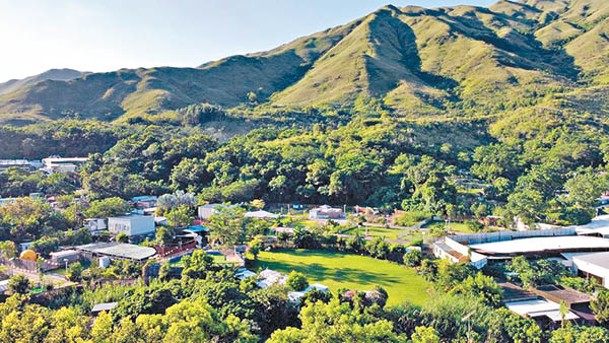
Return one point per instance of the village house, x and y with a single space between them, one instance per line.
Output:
132 225
56 164
326 212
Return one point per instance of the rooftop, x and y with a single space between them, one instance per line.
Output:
131 215
197 229
557 294
3 286
261 215
600 259
103 307
542 244
512 292
535 308
120 250
599 225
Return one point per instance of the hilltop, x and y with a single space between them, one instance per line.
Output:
461 61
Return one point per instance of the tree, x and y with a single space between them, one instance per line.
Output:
227 226
297 281
109 207
102 328
19 284
179 198
336 322
524 269
257 204
600 306
482 287
122 238
424 334
163 236
179 217
68 325
255 245
197 265
413 257
45 245
28 217
514 328
8 249
429 269
577 334
74 272
532 273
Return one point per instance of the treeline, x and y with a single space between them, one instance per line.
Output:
206 302
541 165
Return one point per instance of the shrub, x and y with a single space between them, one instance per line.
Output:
413 257
297 281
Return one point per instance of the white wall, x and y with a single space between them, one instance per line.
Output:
132 225
592 269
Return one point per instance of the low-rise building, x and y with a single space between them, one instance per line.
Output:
261 214
61 257
206 211
326 212
95 225
114 250
3 286
20 164
103 307
132 225
144 201
594 265
56 164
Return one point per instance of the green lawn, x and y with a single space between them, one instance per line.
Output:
337 270
456 227
376 231
393 234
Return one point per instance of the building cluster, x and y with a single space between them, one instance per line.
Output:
52 164
583 250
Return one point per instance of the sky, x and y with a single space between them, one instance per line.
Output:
106 35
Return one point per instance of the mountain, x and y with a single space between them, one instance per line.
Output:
461 61
52 74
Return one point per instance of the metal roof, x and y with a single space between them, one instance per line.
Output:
120 250
600 259
542 244
103 307
3 286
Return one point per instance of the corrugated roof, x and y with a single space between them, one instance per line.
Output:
120 250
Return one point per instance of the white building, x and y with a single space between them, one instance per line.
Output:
261 214
593 265
131 225
536 308
206 211
62 164
326 212
95 224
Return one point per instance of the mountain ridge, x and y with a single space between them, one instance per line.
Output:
417 62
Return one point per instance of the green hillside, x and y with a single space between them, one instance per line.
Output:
435 64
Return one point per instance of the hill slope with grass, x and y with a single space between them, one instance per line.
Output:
414 62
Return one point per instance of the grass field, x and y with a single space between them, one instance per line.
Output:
456 227
337 270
